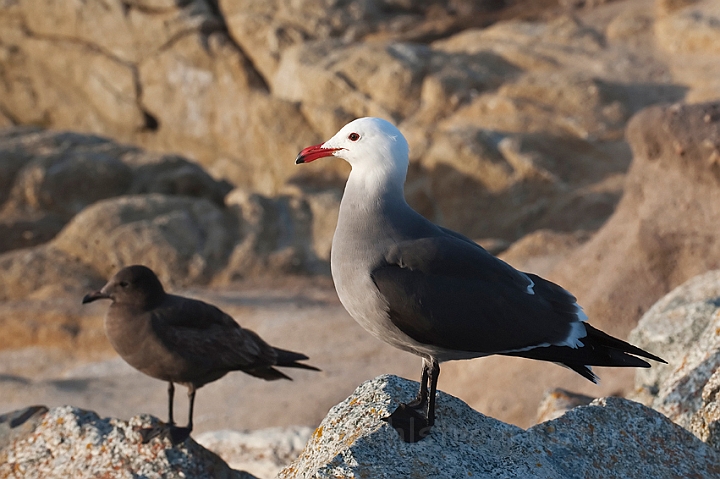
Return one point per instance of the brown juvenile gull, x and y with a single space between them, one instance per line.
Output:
433 292
182 340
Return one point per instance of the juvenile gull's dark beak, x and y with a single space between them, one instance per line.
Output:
90 297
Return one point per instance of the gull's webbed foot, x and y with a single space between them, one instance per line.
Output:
178 434
409 421
149 433
170 431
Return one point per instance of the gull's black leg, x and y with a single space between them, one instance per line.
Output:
171 397
179 434
423 393
434 375
411 421
191 399
153 432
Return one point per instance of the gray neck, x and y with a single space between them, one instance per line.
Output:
370 199
373 216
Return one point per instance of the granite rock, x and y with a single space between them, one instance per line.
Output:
683 326
694 28
275 236
266 29
689 31
20 423
662 232
70 442
610 438
47 177
42 271
705 423
553 93
183 239
241 86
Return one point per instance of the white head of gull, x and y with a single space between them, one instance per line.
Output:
436 293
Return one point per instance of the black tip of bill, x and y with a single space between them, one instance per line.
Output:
90 297
299 160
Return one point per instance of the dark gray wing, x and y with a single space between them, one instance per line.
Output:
447 291
205 335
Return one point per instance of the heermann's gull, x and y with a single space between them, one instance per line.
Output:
182 340
435 293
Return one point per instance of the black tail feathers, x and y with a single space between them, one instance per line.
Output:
284 359
605 340
599 349
288 359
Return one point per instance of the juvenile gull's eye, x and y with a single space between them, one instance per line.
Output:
353 137
124 284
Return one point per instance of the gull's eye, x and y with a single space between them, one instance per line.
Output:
124 284
353 137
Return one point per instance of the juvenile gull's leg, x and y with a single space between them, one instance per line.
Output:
152 432
171 397
179 434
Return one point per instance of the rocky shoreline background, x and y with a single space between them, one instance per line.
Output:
578 140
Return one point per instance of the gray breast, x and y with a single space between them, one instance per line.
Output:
352 261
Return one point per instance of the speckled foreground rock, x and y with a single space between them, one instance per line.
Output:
610 438
705 423
68 442
684 327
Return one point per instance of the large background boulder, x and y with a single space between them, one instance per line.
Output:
664 229
157 76
240 87
180 238
48 177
